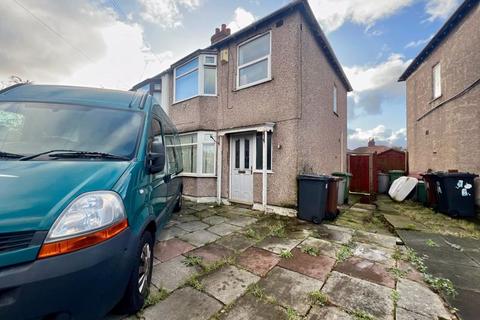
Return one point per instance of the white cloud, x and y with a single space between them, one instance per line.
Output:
374 84
332 14
241 19
99 49
166 13
383 136
421 42
440 9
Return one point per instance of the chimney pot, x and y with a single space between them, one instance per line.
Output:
220 33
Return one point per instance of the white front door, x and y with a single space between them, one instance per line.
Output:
241 164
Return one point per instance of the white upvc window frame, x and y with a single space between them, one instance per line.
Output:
268 57
199 144
202 64
436 77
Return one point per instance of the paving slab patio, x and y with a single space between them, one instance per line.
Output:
223 229
199 238
213 220
290 289
211 253
192 226
228 283
258 261
366 270
317 267
277 245
359 295
184 304
249 307
166 250
323 247
170 233
328 313
361 283
237 242
374 253
172 274
417 298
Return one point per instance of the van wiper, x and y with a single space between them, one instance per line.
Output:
75 154
10 155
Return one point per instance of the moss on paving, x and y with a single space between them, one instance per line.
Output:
426 220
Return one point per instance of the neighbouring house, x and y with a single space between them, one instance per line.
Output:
256 108
443 96
366 162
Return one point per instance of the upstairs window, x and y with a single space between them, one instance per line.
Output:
196 77
335 106
254 61
436 81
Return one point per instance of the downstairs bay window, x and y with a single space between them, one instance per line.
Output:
198 153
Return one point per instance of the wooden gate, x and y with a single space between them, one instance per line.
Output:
361 168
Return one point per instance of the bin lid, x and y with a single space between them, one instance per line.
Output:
342 174
313 177
456 174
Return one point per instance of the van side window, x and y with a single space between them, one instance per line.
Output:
156 131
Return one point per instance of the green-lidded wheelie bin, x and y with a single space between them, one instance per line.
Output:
421 192
347 176
395 174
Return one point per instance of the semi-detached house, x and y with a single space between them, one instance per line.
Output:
256 108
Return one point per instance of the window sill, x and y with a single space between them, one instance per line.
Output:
198 95
253 84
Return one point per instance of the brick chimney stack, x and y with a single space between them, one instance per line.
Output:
371 142
220 33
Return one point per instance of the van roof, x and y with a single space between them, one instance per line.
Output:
74 95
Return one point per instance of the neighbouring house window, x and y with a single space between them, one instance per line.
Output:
196 77
437 81
259 151
198 153
335 106
254 61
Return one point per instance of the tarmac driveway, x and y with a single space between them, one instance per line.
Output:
228 262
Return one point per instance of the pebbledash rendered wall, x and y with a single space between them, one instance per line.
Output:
298 99
449 136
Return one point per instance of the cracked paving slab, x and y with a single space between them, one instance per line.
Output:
277 245
419 299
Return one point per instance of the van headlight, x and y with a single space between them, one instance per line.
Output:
91 218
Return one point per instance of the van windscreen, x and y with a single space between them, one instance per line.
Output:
28 128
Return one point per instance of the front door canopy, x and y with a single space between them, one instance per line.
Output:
267 126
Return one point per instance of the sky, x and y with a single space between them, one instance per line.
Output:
117 43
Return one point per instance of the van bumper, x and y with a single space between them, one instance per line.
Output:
85 284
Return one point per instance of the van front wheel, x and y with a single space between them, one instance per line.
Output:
140 278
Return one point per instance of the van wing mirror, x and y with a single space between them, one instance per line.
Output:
156 157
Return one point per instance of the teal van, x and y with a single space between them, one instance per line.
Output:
88 177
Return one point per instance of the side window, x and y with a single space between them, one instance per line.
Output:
156 131
259 151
